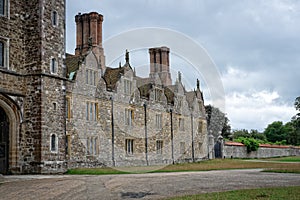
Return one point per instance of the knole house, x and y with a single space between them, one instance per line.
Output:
60 111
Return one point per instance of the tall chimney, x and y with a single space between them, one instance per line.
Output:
89 31
159 64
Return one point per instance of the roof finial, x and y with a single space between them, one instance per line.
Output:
127 56
198 84
179 76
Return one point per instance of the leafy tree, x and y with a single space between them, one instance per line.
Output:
276 132
258 136
297 104
217 122
242 133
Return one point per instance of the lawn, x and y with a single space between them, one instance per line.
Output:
285 159
290 193
216 164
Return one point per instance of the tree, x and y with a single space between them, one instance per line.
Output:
294 133
276 132
217 122
297 104
257 135
242 133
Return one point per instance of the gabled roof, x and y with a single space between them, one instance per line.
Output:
112 76
145 90
72 63
170 95
190 97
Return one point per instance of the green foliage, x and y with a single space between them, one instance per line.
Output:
251 143
243 133
276 131
217 122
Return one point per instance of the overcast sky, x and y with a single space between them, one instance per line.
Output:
254 44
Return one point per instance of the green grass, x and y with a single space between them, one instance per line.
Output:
95 171
288 193
217 164
285 159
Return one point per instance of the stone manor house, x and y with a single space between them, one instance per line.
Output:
60 111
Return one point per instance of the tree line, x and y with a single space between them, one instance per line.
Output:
275 133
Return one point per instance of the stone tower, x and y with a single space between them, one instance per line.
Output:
89 35
159 64
32 90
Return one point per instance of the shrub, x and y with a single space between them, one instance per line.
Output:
251 143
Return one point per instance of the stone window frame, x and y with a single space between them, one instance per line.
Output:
5 52
158 121
90 77
157 94
92 145
128 116
200 144
92 111
55 106
127 86
54 18
200 126
181 124
53 144
6 9
129 146
159 147
182 147
53 65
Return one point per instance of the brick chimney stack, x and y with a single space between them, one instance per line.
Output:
89 34
159 64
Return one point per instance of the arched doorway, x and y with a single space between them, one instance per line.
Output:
4 142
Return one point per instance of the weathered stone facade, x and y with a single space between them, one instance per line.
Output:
31 96
116 118
54 117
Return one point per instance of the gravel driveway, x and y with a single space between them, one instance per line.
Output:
138 186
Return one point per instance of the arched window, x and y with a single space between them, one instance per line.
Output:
53 66
54 18
53 142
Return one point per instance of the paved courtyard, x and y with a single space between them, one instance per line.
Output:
138 186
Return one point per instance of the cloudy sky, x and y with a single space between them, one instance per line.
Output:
254 44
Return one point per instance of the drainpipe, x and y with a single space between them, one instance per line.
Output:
172 141
112 132
146 135
192 127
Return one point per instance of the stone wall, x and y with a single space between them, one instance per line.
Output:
36 95
238 150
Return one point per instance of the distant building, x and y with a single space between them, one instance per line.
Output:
60 112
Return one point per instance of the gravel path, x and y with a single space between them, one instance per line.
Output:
138 186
